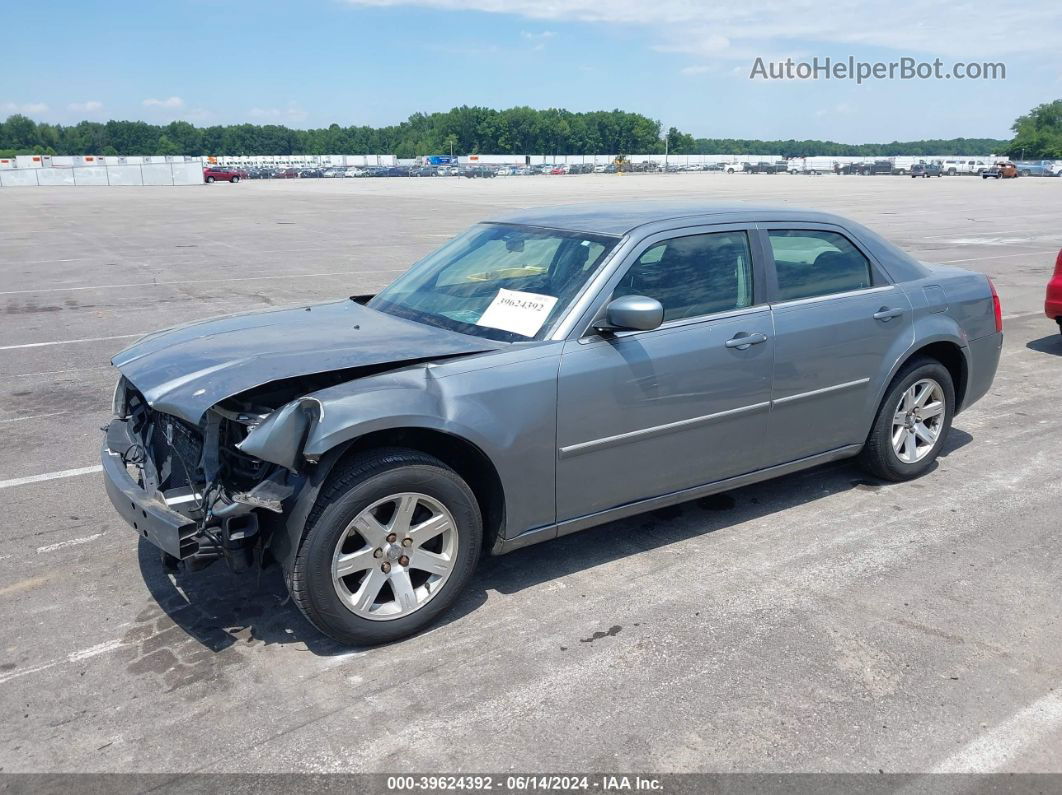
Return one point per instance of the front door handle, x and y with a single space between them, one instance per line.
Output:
887 314
743 340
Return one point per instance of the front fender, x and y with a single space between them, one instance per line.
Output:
507 410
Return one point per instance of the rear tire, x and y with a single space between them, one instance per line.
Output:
234 180
209 179
430 534
912 422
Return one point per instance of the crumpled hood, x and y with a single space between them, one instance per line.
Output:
185 370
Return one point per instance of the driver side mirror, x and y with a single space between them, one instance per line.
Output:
632 313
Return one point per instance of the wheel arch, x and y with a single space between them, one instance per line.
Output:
950 353
460 454
463 456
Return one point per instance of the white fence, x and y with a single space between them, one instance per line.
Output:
183 173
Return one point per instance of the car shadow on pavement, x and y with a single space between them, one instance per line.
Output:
1052 344
220 608
648 531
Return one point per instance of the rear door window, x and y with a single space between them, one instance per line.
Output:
812 262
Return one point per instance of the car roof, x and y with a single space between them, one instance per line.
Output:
620 218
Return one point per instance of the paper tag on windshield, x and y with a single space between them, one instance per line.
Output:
520 313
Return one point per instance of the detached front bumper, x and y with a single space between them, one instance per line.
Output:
170 531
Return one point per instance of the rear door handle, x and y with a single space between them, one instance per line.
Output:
887 314
741 341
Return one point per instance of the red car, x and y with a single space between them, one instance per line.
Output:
1053 304
223 173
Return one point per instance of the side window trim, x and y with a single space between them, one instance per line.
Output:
878 278
584 331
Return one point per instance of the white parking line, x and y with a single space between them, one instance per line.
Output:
72 657
989 753
1012 255
66 473
59 372
73 542
34 416
70 342
207 281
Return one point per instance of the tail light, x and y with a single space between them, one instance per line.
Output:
996 308
1058 265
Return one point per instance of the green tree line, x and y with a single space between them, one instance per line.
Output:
470 130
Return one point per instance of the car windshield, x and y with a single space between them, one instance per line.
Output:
499 281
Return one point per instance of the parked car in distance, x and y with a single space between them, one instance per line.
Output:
221 174
544 372
926 170
968 166
876 167
1053 301
286 173
1005 170
766 167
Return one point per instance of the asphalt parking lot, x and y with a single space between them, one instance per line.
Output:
821 622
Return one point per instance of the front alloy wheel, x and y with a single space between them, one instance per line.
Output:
390 543
395 556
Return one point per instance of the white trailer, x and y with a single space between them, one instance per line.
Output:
818 164
966 165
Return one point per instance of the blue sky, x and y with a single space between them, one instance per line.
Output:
684 62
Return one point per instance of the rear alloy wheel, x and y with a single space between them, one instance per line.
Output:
234 180
209 179
918 421
390 544
912 422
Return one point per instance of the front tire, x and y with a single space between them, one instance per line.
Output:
912 422
209 179
391 542
234 180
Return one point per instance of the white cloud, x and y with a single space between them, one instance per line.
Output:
699 69
90 106
292 113
974 29
841 109
28 108
171 103
538 40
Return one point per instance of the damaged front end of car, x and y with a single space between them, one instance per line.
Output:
191 489
206 456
